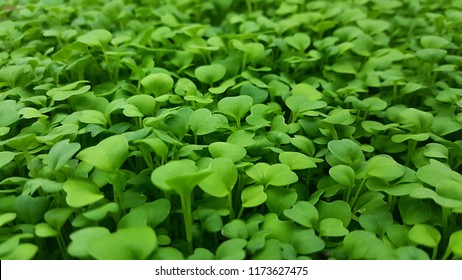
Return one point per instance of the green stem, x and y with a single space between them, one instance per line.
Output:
391 202
412 144
446 215
230 206
333 132
435 252
62 246
238 123
241 211
249 5
186 204
358 192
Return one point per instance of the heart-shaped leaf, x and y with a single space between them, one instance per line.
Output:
253 196
210 73
108 155
124 244
81 192
425 235
61 153
303 213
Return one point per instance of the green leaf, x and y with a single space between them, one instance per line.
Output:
299 41
81 239
343 175
44 230
31 209
414 120
203 122
450 189
8 113
436 171
57 217
185 87
67 91
101 212
306 242
235 229
6 157
346 150
384 167
236 106
148 214
297 161
144 103
435 42
280 230
332 227
411 253
158 83
338 209
455 243
210 73
376 221
414 211
81 192
108 155
431 55
6 218
231 151
271 251
253 196
300 104
425 235
24 251
96 38
279 199
201 254
61 153
124 244
303 213
91 116
222 179
232 249
278 174
180 176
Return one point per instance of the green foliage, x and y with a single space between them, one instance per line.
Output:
269 130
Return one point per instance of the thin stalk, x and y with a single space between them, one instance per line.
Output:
412 144
446 217
62 246
358 192
241 211
391 202
230 206
186 204
238 123
434 253
333 132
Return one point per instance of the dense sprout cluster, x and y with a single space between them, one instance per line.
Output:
220 129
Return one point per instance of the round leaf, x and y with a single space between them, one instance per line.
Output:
236 106
210 73
332 227
158 83
343 175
